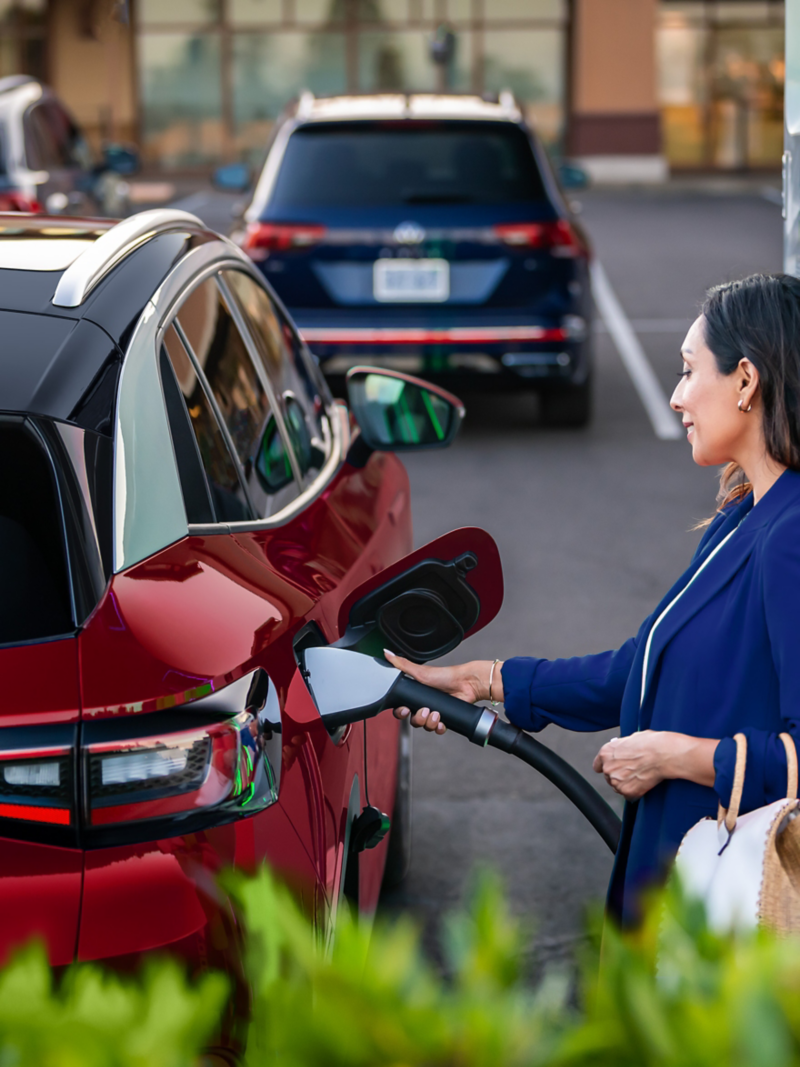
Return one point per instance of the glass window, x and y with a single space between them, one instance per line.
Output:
399 61
240 396
180 78
23 44
381 163
531 64
497 10
255 12
319 10
228 498
270 68
197 12
291 370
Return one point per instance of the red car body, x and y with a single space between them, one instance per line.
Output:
94 868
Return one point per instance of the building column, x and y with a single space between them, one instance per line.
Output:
91 67
614 126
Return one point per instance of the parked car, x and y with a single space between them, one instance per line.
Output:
430 233
184 510
46 163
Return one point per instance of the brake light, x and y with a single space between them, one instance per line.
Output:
210 770
36 785
560 238
261 238
13 201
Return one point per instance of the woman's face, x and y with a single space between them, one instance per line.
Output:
708 403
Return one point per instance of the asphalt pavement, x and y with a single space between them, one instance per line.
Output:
593 527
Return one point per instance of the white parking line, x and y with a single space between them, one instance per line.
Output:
192 202
645 382
775 196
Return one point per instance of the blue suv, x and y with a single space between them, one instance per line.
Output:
427 233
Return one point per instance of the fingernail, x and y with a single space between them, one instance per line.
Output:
403 712
435 716
424 712
386 652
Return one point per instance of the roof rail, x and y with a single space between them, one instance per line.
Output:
91 266
305 105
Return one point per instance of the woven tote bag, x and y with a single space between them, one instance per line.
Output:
746 868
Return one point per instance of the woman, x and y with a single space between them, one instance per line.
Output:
721 652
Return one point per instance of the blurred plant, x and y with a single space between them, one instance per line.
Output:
671 995
94 1018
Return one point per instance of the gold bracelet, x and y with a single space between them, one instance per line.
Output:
492 701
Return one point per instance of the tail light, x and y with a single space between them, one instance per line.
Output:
560 238
140 777
261 238
37 784
12 201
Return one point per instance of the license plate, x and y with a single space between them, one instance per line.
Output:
411 280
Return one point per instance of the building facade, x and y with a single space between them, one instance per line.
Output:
630 87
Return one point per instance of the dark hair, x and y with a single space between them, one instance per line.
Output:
758 318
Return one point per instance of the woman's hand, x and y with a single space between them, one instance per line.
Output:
467 681
633 765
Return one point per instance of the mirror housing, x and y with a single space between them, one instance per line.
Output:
399 413
121 159
232 178
572 176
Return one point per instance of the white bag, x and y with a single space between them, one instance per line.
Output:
746 869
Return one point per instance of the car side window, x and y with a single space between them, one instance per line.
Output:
70 147
290 369
240 399
228 500
40 151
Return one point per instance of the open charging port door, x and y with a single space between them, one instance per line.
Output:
423 606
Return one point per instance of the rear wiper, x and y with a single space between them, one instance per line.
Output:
436 198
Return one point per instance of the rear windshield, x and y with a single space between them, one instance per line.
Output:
388 163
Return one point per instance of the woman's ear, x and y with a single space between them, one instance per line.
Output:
748 379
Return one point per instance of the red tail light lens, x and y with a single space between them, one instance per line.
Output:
560 238
36 786
11 201
216 768
261 238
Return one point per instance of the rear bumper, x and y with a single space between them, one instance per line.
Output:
501 347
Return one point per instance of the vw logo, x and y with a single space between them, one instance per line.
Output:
409 233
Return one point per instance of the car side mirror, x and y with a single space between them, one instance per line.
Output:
572 176
398 413
232 178
121 159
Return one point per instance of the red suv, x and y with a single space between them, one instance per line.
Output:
183 510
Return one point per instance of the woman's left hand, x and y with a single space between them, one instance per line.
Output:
633 765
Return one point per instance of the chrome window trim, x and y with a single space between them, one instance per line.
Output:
194 268
340 426
262 376
91 266
221 424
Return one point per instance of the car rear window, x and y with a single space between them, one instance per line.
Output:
385 163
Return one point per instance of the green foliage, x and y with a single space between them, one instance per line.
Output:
672 995
96 1019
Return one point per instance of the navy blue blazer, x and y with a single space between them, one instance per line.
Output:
725 659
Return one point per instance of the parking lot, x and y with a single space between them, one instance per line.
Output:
593 526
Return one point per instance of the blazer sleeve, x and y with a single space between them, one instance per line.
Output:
581 693
766 771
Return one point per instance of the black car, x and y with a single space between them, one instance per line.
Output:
429 234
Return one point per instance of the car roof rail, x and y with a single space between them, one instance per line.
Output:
91 266
305 105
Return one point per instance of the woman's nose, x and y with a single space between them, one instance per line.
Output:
674 400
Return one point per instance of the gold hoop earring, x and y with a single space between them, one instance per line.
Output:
744 410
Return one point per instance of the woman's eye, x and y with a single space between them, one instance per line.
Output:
684 373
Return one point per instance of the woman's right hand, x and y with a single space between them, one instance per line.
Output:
467 681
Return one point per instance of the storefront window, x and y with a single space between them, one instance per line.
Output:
531 64
22 37
181 98
721 75
268 69
214 89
